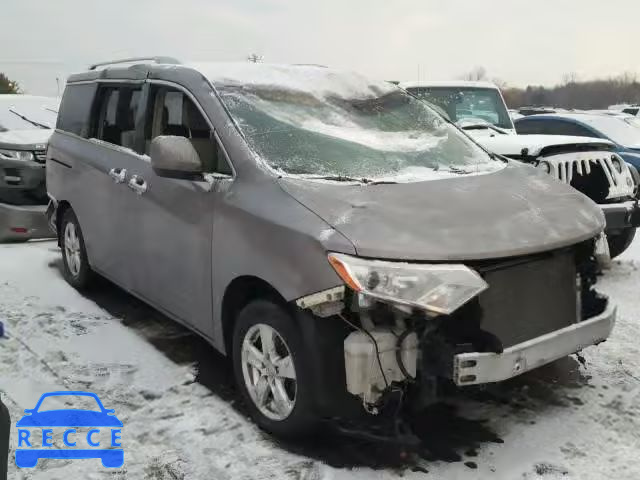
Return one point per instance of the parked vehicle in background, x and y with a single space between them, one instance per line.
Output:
590 165
622 131
526 111
465 100
26 123
633 110
342 242
514 114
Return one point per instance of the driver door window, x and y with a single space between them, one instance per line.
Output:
172 112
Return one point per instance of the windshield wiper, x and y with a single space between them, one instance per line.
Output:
340 178
459 171
479 126
32 122
382 182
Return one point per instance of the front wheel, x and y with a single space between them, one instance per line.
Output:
76 269
271 370
619 242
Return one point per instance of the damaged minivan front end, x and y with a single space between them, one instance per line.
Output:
471 323
499 283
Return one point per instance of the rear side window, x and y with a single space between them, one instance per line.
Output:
552 127
529 127
117 113
75 109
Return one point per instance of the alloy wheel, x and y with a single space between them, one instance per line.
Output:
72 249
268 371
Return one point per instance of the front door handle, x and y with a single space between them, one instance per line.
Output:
119 175
137 184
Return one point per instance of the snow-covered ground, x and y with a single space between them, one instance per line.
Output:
176 400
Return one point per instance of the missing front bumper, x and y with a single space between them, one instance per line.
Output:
477 368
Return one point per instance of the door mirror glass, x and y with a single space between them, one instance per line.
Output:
173 156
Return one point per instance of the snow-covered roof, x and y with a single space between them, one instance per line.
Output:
447 83
313 79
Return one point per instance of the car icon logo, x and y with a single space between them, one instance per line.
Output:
67 420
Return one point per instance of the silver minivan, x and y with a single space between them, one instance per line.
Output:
347 247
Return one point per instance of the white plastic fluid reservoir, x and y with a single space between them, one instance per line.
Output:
363 374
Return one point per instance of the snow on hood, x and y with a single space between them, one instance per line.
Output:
35 139
513 144
519 210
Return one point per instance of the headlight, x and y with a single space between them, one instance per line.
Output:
546 166
617 164
16 155
440 289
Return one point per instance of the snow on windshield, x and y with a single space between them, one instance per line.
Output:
38 112
311 120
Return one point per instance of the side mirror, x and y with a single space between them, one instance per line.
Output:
175 157
28 411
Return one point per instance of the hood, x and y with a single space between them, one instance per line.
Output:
516 211
510 145
34 139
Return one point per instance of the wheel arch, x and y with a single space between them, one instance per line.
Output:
63 206
237 295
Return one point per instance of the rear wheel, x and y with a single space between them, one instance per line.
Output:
76 269
618 243
271 370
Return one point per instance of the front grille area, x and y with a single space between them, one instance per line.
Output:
530 298
591 173
40 156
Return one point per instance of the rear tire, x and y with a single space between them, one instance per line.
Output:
76 269
620 242
277 392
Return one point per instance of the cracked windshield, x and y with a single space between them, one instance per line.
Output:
273 239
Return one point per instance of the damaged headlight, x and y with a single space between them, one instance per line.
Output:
16 155
440 289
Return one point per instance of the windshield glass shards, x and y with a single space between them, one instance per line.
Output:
314 121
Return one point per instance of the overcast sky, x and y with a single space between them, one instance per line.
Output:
519 41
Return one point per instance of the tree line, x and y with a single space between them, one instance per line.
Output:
7 85
570 93
591 94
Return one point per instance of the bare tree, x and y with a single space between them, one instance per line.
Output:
501 84
477 74
573 93
569 78
255 58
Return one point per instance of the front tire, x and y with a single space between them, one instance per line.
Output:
76 269
272 371
620 242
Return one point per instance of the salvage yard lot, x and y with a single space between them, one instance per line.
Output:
181 420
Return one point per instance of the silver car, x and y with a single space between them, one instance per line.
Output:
26 123
333 235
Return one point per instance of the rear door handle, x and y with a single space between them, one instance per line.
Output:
119 175
137 184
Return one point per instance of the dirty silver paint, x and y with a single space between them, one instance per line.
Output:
518 210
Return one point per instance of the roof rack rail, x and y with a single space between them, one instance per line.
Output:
169 60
